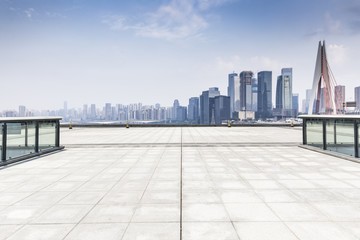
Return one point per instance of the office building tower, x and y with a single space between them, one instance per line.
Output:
340 98
181 113
85 108
176 104
284 89
193 110
234 92
357 97
284 95
108 112
207 105
93 111
295 103
22 111
222 109
307 100
246 90
254 94
264 95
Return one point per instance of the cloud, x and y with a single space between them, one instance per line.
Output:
330 26
54 15
337 54
29 12
180 19
230 64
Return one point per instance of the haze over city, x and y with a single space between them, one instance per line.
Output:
158 51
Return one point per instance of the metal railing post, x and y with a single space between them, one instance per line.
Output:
356 136
37 136
4 137
57 134
26 133
324 133
304 132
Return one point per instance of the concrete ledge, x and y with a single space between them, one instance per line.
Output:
330 153
31 155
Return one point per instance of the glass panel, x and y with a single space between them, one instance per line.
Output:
314 132
359 138
343 139
20 139
46 135
1 126
330 136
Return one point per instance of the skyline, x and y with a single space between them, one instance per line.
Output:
155 52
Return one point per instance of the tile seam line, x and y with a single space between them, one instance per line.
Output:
181 177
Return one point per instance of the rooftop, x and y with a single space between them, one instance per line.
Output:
213 183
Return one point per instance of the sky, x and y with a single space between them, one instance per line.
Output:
90 51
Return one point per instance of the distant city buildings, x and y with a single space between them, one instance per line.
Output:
207 105
248 98
193 110
357 97
222 109
264 95
284 106
234 92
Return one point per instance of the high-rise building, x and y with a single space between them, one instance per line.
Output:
264 95
340 97
307 101
234 92
207 105
295 102
193 110
93 111
284 89
85 109
222 109
254 94
246 90
108 112
176 104
357 97
284 94
181 113
22 111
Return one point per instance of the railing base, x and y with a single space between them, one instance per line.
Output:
31 155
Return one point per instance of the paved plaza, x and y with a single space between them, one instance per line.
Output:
208 183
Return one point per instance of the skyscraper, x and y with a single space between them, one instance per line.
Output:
357 97
284 89
93 112
295 102
340 97
193 110
108 112
176 104
264 95
85 108
207 105
307 100
22 111
246 90
234 92
222 109
254 94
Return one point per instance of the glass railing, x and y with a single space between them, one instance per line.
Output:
338 133
22 138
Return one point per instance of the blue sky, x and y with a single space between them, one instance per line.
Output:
156 51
